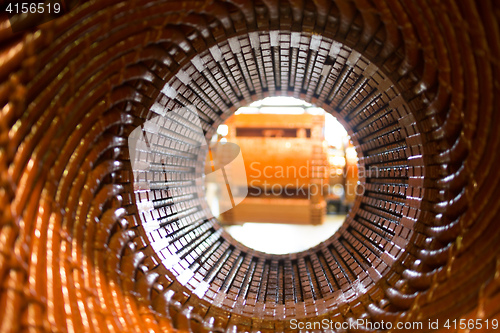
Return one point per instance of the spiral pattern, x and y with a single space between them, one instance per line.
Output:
91 240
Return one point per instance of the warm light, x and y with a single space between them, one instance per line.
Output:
245 109
279 101
337 161
351 155
335 133
223 130
282 110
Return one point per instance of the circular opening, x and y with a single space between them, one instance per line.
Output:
168 153
281 175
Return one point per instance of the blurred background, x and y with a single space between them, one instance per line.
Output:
300 177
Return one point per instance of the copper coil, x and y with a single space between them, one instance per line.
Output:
90 243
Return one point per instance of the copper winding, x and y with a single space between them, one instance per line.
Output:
87 243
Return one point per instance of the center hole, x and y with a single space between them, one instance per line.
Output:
281 175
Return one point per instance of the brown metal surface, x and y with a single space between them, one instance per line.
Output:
414 82
286 168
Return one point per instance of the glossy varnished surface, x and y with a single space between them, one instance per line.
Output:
416 85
